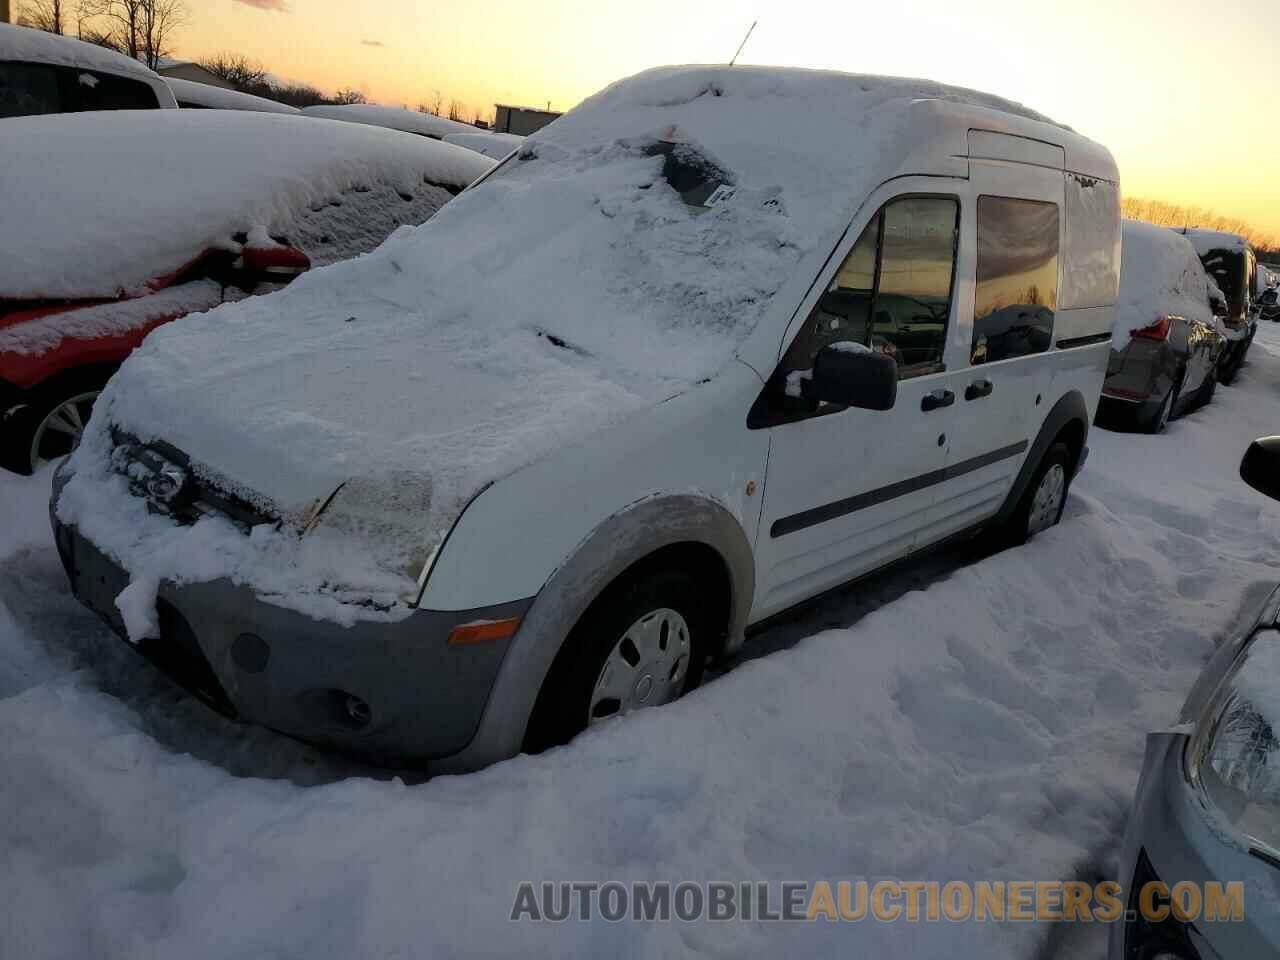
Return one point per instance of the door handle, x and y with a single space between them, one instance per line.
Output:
979 388
936 399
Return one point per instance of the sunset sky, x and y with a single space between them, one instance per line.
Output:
1174 88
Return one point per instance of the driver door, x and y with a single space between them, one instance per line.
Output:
847 490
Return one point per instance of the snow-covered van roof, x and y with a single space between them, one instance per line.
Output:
104 202
393 118
36 46
629 251
1206 241
189 92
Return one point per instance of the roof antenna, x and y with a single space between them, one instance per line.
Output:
744 42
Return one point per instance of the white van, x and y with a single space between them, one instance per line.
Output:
43 73
715 342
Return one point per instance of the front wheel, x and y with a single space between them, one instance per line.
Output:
1160 419
1045 497
49 428
642 643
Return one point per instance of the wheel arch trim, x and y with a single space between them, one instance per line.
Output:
622 540
1070 409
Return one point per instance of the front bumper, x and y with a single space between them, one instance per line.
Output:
394 693
1169 840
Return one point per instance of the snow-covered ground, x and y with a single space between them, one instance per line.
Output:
968 717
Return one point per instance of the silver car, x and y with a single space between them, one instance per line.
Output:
1207 810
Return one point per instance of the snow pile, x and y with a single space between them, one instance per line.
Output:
189 92
1207 241
571 288
495 145
393 118
968 719
111 200
1160 276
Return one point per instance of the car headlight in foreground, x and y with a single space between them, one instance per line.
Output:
1234 757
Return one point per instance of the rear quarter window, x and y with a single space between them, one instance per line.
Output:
1091 255
106 91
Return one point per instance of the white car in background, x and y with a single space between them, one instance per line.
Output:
393 118
42 73
204 96
650 382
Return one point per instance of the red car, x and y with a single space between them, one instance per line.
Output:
123 221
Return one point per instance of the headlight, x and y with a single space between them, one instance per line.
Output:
1234 756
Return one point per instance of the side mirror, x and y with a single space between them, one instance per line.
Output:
852 375
1260 467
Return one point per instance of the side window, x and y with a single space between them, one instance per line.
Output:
27 89
106 91
1017 274
892 292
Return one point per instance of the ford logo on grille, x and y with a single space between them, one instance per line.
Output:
167 484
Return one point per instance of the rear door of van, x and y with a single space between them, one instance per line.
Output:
997 356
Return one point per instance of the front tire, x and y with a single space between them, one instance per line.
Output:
49 427
1043 501
1160 419
642 643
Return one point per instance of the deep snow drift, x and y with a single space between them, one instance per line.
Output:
963 719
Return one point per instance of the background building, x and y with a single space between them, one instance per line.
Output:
190 71
520 120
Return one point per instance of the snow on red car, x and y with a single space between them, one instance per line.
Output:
119 222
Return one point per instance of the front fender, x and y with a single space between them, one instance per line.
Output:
622 540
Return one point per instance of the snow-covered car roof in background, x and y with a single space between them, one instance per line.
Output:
1160 276
108 201
393 118
1206 241
219 98
495 145
36 46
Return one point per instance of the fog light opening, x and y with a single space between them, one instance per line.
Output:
358 711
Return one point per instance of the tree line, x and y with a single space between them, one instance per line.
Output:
1164 214
142 29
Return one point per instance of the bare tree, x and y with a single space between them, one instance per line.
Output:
455 110
1165 214
46 15
349 95
143 29
239 71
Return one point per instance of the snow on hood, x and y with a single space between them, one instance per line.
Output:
619 259
24 43
110 200
220 98
1160 276
393 118
1206 241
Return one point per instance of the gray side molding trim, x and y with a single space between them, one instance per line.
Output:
1070 407
624 539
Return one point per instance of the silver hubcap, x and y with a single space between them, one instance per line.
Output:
1046 504
59 432
647 667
